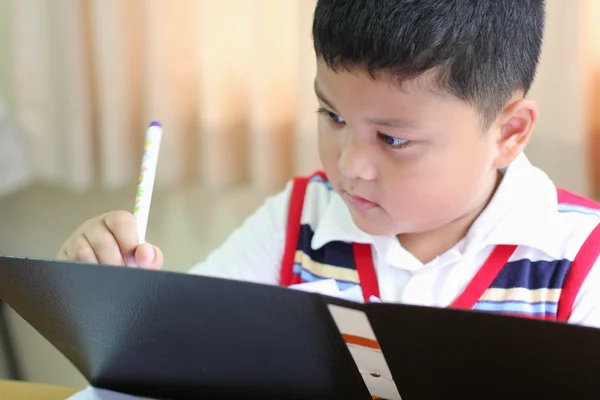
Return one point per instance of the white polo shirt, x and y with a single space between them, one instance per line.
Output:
522 212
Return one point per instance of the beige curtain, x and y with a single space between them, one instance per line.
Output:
230 80
591 31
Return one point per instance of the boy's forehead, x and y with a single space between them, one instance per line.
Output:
354 93
382 81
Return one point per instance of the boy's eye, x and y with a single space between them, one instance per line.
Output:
394 142
332 117
391 141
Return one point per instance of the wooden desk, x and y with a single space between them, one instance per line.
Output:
17 390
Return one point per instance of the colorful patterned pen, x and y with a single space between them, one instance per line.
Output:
146 182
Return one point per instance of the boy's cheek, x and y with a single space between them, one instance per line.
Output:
329 151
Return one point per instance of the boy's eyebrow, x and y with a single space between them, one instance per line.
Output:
389 122
393 123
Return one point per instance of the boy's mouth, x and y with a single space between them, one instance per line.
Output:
358 202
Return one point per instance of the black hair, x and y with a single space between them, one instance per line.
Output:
481 51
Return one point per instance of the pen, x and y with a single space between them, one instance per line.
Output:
146 181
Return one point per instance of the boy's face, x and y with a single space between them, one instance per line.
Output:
405 160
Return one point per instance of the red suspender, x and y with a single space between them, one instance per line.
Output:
484 277
366 270
584 260
364 259
479 284
566 197
581 266
294 221
362 252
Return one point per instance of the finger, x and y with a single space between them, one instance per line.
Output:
145 255
81 251
123 228
62 255
105 247
158 259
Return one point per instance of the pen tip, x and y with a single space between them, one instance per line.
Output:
155 123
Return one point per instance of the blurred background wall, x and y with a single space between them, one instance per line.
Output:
231 80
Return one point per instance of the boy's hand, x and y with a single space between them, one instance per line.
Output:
110 239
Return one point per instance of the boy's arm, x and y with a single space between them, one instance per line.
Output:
586 309
253 252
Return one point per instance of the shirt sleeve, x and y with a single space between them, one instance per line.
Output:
586 309
254 251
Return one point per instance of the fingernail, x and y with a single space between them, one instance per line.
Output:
150 261
147 260
131 262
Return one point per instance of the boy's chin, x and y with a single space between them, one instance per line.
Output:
373 227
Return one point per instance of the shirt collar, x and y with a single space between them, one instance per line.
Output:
522 212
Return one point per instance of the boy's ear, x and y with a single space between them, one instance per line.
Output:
516 123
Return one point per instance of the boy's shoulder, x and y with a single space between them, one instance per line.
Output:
569 202
567 228
575 213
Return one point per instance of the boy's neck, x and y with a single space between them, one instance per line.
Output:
426 246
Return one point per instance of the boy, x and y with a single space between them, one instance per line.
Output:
426 197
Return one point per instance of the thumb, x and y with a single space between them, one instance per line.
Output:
148 256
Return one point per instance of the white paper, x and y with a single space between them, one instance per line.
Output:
329 287
92 393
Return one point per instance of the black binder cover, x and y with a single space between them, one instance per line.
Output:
170 335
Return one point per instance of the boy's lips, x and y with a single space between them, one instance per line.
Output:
358 202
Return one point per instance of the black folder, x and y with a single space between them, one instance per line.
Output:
177 336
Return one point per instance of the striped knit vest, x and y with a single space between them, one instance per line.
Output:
532 289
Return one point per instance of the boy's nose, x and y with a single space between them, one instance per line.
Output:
355 163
